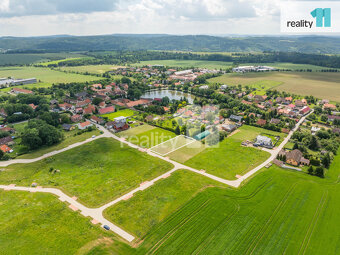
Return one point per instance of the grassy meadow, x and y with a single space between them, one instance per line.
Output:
230 158
125 113
147 136
96 172
41 224
153 205
318 84
45 76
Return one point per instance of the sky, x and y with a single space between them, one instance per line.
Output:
96 17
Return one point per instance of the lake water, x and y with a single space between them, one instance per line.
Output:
171 94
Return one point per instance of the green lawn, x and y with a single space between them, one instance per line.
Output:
147 136
38 223
152 206
45 75
69 138
230 158
125 113
188 63
318 84
96 172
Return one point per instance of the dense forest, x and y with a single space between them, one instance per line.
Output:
315 44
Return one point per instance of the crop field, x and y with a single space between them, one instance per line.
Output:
41 223
25 59
318 84
229 158
147 136
290 66
188 63
96 172
96 69
45 75
56 62
153 205
125 113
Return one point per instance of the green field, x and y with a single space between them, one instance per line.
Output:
147 136
229 158
25 59
96 172
188 63
69 138
125 113
96 69
56 62
45 75
41 224
152 206
318 84
291 66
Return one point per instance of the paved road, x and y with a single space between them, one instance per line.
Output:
97 213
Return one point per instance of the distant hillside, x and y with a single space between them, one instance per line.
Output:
171 42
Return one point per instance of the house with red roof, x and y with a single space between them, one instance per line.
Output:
97 120
21 91
84 125
106 110
89 109
261 122
305 110
5 149
76 118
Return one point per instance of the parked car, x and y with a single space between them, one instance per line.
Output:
106 227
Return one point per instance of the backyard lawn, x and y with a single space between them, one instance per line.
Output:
229 158
125 113
96 172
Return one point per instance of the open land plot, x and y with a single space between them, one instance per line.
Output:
318 84
70 137
153 205
45 75
96 172
173 144
96 69
41 223
188 63
125 113
147 136
230 158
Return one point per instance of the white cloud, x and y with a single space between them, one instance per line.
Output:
140 16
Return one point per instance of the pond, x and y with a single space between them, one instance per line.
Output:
171 94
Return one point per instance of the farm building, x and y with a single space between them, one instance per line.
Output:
202 135
229 127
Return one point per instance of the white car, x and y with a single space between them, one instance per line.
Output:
93 136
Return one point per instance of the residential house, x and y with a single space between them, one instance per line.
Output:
235 118
263 141
106 110
5 149
84 125
304 110
275 121
261 122
229 127
66 107
97 120
295 158
68 127
329 106
89 109
8 140
76 118
333 117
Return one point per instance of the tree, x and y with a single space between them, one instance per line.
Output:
319 171
314 144
326 160
310 170
97 100
177 130
1 154
31 139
